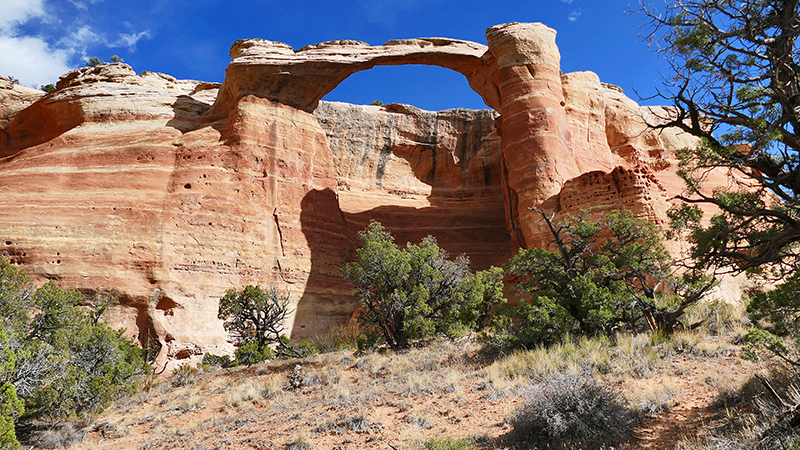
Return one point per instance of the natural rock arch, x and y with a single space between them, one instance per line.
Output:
301 78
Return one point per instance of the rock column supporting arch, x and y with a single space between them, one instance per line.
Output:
537 157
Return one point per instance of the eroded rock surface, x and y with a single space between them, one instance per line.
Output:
168 192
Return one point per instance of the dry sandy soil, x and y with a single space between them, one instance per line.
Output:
390 400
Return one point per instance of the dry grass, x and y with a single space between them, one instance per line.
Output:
443 388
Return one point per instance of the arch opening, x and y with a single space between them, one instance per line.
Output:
431 88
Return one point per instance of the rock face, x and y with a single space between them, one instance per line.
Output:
168 192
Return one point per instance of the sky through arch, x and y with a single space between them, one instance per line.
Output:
427 87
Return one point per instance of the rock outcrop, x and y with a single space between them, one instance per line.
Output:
167 192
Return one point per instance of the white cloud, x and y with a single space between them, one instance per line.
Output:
569 2
32 60
129 40
80 38
573 16
16 12
84 4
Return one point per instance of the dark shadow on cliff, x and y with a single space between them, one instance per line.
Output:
332 238
44 120
188 114
328 299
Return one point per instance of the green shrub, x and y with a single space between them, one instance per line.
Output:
58 356
448 443
568 411
597 277
306 348
11 407
250 353
217 360
257 315
415 292
184 375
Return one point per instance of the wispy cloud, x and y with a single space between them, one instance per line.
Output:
569 2
32 60
573 16
84 4
16 12
42 39
129 40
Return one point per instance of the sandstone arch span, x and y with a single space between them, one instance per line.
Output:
153 193
301 78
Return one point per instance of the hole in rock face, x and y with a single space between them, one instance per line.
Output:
8 242
187 186
418 172
427 87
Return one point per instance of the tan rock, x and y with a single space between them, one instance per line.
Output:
168 192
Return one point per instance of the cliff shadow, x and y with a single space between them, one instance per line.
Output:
328 298
189 114
332 236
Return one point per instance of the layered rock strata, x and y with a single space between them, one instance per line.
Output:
168 192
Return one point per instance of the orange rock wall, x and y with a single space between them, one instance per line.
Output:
168 192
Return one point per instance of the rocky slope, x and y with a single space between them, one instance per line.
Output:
167 192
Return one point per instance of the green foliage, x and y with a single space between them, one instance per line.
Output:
448 443
60 359
250 353
307 348
94 61
11 408
217 360
377 103
184 375
49 88
598 276
254 314
780 309
116 59
413 292
734 85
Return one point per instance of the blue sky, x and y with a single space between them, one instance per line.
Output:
42 39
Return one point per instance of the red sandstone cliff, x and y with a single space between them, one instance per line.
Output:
168 192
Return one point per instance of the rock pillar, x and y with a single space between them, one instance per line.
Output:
537 157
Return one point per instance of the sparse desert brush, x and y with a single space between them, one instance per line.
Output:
300 442
592 354
337 338
339 393
418 383
634 355
61 436
568 411
273 387
451 379
652 397
448 443
184 375
326 375
190 403
718 317
418 421
243 393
